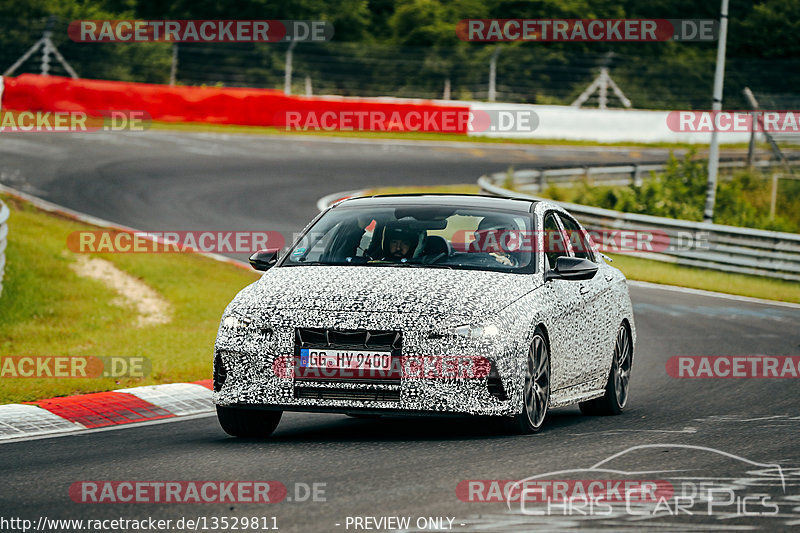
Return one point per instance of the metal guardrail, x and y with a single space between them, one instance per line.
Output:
700 244
4 213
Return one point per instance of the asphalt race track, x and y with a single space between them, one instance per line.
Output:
729 430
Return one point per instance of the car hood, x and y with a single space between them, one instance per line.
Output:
386 289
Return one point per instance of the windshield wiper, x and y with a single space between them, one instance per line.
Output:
423 265
311 263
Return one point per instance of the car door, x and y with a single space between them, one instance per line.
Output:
595 329
566 304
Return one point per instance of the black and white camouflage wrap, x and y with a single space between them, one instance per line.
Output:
581 319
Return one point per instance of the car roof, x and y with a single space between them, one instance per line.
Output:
521 205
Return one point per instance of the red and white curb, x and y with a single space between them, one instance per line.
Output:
104 409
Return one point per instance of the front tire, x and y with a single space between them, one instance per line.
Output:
248 423
536 388
617 388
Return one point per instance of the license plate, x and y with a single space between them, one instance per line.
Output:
345 359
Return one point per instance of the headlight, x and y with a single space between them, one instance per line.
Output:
236 322
475 332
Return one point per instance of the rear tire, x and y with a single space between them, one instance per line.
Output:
536 388
617 387
248 423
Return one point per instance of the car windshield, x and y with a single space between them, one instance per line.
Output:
417 236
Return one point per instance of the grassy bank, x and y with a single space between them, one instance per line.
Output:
47 309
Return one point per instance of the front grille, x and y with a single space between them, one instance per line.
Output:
361 395
353 339
349 339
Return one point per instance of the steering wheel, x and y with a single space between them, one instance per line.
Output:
433 259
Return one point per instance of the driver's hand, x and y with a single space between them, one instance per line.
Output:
502 259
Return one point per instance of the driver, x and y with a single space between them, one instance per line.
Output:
399 244
498 226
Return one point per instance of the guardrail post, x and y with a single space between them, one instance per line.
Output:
773 196
173 69
542 181
4 214
637 176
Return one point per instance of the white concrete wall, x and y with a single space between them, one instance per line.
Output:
609 125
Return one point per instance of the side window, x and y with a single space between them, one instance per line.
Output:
554 244
577 239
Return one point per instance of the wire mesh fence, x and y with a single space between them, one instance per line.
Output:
653 78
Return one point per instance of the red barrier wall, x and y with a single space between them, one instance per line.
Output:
249 107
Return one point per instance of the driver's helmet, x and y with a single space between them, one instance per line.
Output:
404 234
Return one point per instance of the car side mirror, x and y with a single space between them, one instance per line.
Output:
572 268
264 259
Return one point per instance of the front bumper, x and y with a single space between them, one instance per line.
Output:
252 362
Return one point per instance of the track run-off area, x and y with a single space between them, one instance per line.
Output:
740 433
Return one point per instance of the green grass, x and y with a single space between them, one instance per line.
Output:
639 269
47 309
414 136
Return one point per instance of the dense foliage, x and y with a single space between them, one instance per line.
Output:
743 198
409 48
